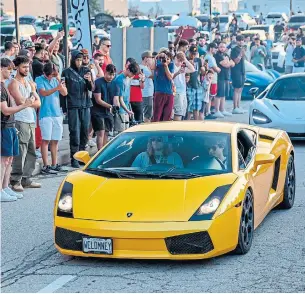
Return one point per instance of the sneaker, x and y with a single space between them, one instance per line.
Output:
17 187
38 153
6 197
32 185
74 163
57 168
91 143
226 113
218 114
237 111
47 170
210 116
242 110
10 192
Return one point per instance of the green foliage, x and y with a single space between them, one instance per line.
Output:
94 7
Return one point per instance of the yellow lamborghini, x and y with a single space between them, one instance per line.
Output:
182 190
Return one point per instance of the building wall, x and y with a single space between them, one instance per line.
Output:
116 7
31 7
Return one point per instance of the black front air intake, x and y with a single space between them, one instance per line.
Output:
276 174
68 240
194 243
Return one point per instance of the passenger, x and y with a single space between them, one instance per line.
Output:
217 151
158 151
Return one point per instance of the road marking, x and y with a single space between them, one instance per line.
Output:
57 284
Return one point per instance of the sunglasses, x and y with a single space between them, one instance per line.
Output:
109 46
157 139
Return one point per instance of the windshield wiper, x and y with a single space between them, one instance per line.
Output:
119 174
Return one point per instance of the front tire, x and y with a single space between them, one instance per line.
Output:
246 228
289 188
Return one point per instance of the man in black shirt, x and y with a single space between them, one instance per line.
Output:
38 63
102 111
238 73
9 138
223 83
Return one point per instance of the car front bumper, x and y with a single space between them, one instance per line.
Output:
136 240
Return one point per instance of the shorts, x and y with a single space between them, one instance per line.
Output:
195 99
101 123
180 104
148 107
51 128
238 81
213 90
9 142
121 122
136 108
223 88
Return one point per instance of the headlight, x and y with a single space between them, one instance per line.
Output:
260 118
210 205
65 202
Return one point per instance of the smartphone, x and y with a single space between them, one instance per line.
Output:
63 80
142 71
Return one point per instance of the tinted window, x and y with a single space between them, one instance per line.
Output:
224 19
274 16
297 19
7 30
167 152
26 20
288 89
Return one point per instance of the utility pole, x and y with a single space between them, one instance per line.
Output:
290 8
66 30
17 20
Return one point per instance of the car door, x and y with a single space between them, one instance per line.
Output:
261 177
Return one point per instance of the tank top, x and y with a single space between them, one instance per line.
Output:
26 115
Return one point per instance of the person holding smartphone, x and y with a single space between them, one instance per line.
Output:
49 86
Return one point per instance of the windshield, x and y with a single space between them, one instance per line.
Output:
167 154
297 19
224 19
292 88
26 20
7 30
274 16
164 17
262 28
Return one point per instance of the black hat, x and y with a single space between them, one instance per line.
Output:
193 49
240 38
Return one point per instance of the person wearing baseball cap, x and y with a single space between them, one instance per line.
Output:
238 73
30 46
194 89
148 91
298 57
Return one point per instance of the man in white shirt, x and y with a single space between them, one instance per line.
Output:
181 67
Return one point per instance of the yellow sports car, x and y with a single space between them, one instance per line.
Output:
175 190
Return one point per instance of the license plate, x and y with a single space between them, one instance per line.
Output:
97 245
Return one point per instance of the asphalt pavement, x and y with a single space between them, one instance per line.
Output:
30 263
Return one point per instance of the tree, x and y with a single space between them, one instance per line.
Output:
94 7
151 12
159 10
1 9
133 10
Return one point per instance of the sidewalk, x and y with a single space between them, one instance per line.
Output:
63 152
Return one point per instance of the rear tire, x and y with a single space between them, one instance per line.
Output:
289 188
246 228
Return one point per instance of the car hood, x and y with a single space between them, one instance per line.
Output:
148 200
259 78
291 110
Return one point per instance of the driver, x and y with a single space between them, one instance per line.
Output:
217 151
158 152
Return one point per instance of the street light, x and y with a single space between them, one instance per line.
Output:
66 30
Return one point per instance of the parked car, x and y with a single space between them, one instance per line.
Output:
296 21
251 33
122 22
273 17
224 22
27 19
6 22
9 32
168 19
266 28
203 18
245 21
281 106
47 35
278 55
259 79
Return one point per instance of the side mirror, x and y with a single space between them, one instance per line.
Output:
253 91
82 156
261 159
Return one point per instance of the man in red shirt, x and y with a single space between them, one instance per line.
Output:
105 46
136 86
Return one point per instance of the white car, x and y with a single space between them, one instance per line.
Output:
224 23
273 17
278 55
245 21
281 106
